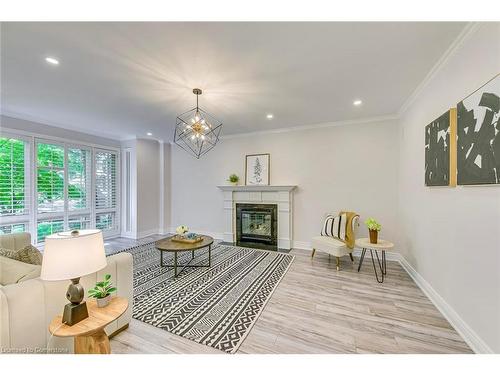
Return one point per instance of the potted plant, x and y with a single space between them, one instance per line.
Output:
373 228
102 291
233 179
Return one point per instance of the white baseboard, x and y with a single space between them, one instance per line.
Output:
139 235
463 329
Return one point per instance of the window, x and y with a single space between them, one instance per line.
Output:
79 222
46 227
14 184
79 160
74 187
13 228
50 177
106 191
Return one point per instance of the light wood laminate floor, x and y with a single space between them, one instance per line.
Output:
316 309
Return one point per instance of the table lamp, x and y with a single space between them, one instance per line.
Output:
69 256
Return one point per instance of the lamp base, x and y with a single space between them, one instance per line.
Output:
74 313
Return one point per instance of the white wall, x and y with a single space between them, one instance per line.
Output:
341 167
451 236
148 187
52 131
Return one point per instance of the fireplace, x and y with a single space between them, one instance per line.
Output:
256 225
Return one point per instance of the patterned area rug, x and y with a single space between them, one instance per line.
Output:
214 306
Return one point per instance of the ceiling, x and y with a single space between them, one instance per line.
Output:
123 80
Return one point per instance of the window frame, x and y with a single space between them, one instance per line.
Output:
116 209
28 201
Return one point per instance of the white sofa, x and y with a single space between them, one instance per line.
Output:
332 246
28 304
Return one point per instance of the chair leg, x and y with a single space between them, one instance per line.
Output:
312 254
352 258
337 259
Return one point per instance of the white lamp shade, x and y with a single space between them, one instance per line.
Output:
68 256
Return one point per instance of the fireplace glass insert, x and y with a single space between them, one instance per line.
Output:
256 225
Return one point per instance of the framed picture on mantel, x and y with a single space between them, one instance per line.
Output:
257 169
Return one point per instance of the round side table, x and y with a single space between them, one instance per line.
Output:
89 336
382 245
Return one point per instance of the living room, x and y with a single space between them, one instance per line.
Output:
221 188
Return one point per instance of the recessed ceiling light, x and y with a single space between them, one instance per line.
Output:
150 134
357 102
52 60
269 116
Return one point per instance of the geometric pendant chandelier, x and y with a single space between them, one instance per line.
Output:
197 131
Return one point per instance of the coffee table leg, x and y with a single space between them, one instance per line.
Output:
209 254
161 258
175 263
192 254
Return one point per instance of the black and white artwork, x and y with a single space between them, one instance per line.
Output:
257 169
437 151
478 132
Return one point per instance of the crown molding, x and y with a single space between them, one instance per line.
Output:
367 120
468 30
42 121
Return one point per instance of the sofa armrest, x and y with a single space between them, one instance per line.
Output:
28 307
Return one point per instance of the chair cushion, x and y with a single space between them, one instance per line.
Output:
325 241
330 245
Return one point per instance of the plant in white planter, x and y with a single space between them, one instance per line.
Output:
102 291
233 179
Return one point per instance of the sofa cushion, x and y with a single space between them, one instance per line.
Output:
13 271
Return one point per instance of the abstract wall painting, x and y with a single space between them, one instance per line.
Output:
257 169
478 131
440 150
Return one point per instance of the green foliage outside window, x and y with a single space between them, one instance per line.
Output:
50 181
12 193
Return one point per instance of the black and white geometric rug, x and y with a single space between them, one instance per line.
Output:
214 306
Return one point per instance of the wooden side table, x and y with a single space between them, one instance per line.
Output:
89 335
383 245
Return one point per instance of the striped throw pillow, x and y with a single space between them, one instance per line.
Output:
335 226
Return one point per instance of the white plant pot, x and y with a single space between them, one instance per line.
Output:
103 302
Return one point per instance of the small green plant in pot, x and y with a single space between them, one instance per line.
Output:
373 228
102 291
233 179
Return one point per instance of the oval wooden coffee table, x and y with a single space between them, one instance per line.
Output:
89 336
170 246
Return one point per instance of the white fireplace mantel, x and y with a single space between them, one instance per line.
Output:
282 196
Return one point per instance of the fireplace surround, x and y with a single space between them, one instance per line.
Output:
279 195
